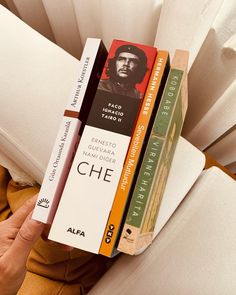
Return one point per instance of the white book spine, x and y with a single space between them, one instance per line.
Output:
57 170
66 141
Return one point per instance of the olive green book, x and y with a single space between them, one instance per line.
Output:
143 209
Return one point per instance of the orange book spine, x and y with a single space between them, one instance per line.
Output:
111 234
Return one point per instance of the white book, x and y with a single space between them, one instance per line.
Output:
194 253
33 13
91 66
35 76
63 22
189 22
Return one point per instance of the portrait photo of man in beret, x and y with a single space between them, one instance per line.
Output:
126 69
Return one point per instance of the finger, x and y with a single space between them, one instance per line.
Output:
24 241
17 219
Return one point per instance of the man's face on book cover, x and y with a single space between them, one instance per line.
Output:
126 65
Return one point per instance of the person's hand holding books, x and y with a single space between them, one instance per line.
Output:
17 237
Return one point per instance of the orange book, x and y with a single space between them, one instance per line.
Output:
148 108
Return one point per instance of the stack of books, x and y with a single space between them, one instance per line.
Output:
118 168
105 181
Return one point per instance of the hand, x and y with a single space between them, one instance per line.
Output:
17 237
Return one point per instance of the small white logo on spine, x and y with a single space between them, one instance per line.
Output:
44 202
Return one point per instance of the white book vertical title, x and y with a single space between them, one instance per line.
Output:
66 142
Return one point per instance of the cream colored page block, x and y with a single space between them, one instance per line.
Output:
185 24
36 79
134 20
195 252
224 150
218 120
62 19
214 68
33 13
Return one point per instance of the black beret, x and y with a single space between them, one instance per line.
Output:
132 49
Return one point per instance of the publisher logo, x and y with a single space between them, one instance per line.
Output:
109 233
75 231
44 202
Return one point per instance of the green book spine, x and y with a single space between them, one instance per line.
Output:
161 174
151 161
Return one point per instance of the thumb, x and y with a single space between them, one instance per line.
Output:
24 241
